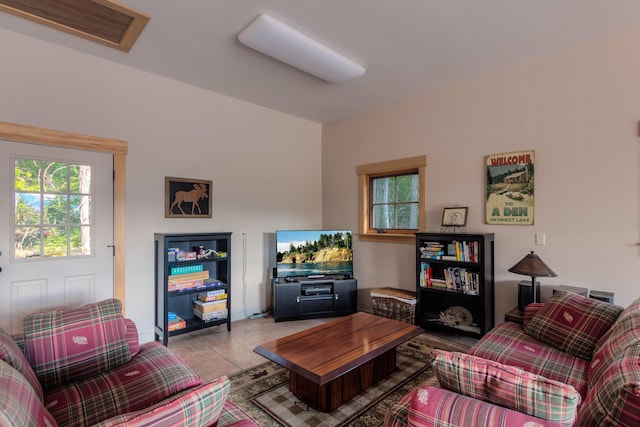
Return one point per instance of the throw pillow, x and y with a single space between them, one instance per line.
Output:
65 345
506 386
202 406
19 403
11 353
572 323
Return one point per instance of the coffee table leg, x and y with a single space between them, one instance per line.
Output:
330 396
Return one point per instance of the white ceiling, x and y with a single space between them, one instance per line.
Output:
407 46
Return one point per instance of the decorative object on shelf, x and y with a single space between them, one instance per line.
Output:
187 198
531 265
509 183
455 216
456 316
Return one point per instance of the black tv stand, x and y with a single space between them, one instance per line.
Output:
308 298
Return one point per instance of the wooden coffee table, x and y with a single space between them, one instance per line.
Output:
334 362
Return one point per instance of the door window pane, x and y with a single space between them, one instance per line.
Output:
52 209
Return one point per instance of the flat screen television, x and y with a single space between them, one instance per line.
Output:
314 253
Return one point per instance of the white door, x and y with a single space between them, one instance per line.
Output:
56 229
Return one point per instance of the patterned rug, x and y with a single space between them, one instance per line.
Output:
263 392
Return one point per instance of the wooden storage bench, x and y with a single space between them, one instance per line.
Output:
393 303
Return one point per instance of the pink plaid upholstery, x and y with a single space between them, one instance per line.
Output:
131 334
436 407
573 323
200 407
11 353
154 374
614 400
609 384
19 403
509 345
625 332
506 386
233 416
529 312
66 345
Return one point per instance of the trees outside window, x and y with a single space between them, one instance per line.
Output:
52 209
392 199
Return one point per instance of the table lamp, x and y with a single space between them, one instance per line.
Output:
532 265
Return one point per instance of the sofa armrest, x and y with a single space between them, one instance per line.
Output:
131 335
195 407
432 406
530 311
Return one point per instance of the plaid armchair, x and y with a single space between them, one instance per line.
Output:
574 361
85 367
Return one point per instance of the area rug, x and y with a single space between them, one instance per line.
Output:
263 392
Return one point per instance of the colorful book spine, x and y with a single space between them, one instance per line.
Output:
195 268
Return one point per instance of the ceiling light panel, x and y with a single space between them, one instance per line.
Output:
276 39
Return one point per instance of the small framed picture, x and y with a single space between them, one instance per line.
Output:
187 198
454 217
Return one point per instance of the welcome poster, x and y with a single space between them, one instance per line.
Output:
510 179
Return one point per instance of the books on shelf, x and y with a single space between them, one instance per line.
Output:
194 268
461 251
214 315
177 323
466 251
214 295
211 310
191 281
432 250
426 274
461 280
178 282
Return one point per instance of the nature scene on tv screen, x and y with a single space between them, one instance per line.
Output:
314 252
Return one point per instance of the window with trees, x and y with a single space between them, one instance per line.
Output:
392 199
52 209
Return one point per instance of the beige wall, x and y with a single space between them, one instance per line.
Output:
577 108
265 165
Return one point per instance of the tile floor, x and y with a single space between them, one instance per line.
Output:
213 352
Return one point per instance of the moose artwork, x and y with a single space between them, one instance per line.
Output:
187 198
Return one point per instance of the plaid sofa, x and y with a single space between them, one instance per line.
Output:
85 367
574 361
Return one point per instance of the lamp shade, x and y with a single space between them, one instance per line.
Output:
532 265
273 38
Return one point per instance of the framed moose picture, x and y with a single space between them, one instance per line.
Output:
187 198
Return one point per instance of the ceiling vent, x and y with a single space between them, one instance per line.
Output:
103 21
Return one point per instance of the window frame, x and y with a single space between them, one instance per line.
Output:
390 167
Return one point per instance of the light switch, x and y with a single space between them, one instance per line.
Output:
540 239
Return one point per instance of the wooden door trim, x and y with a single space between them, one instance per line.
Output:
56 138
